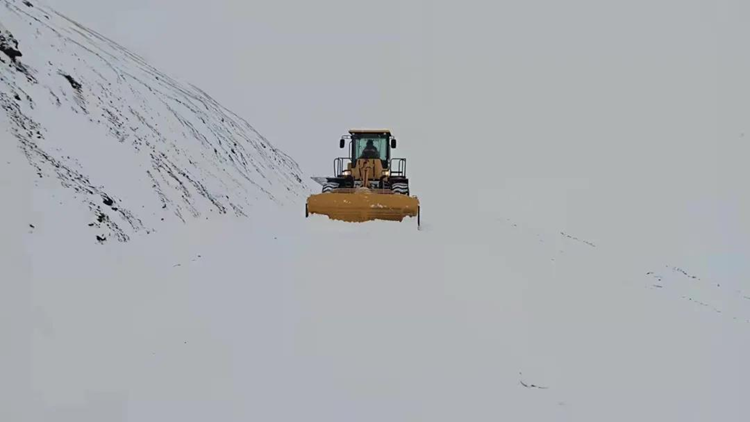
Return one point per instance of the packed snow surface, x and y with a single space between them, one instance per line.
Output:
286 318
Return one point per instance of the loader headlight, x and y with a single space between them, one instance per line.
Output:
347 173
386 172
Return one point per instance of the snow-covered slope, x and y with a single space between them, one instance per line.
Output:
96 142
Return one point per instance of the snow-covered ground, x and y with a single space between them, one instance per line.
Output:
283 318
500 308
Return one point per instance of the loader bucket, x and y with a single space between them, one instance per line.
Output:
360 205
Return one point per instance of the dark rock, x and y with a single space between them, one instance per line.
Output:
74 83
9 46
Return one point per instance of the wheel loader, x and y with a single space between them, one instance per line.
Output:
367 184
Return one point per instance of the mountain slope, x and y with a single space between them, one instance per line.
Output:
119 145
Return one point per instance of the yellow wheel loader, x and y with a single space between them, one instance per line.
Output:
366 185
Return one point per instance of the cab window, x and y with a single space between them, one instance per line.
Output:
371 147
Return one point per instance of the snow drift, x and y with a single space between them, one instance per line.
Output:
98 130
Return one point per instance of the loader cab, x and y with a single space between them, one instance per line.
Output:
370 144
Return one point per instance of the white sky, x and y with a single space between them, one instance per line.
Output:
597 115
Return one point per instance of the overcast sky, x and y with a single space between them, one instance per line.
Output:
574 112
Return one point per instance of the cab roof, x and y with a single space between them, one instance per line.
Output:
370 131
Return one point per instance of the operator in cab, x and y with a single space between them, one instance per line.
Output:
370 151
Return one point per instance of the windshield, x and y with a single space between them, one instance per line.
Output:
371 147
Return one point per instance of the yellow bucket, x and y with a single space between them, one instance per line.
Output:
360 205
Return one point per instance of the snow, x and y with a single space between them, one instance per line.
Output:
284 318
497 309
137 148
